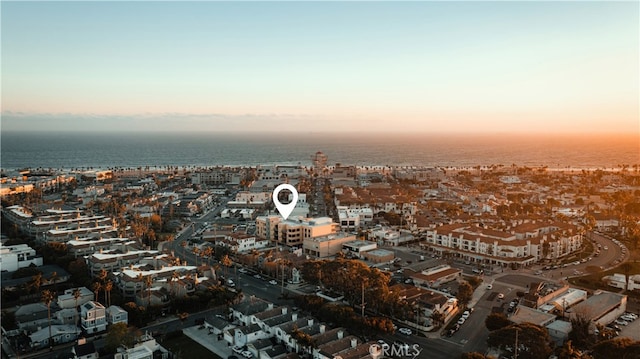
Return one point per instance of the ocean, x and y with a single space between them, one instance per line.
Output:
108 150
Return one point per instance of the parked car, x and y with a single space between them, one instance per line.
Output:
621 322
453 330
273 281
627 318
405 331
466 314
461 320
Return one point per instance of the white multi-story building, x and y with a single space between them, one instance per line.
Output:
93 317
350 219
18 215
293 232
18 256
241 242
113 261
524 245
87 246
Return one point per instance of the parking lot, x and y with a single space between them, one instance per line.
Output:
632 330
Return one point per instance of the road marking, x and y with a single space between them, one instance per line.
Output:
450 342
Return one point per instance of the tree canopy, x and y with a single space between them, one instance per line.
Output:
533 341
496 321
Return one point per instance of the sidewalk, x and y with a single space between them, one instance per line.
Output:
209 341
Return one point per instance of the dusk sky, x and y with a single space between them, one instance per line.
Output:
535 67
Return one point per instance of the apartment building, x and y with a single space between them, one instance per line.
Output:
18 256
17 215
178 280
353 218
103 228
523 245
113 261
241 242
60 219
293 232
214 177
86 246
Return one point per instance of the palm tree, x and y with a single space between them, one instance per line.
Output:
76 295
47 298
226 262
175 276
148 281
54 279
102 275
36 282
208 252
438 318
96 286
108 287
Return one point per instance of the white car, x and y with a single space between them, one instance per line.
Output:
405 331
247 354
461 320
273 281
621 322
236 349
466 314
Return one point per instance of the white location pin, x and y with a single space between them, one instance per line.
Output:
285 209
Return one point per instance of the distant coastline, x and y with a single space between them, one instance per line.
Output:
108 150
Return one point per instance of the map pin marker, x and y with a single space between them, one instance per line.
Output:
285 209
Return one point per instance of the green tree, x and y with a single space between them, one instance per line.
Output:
437 318
117 335
496 321
533 342
612 348
569 352
465 293
227 263
579 335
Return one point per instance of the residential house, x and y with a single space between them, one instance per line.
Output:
68 300
116 314
146 348
93 317
84 350
60 334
